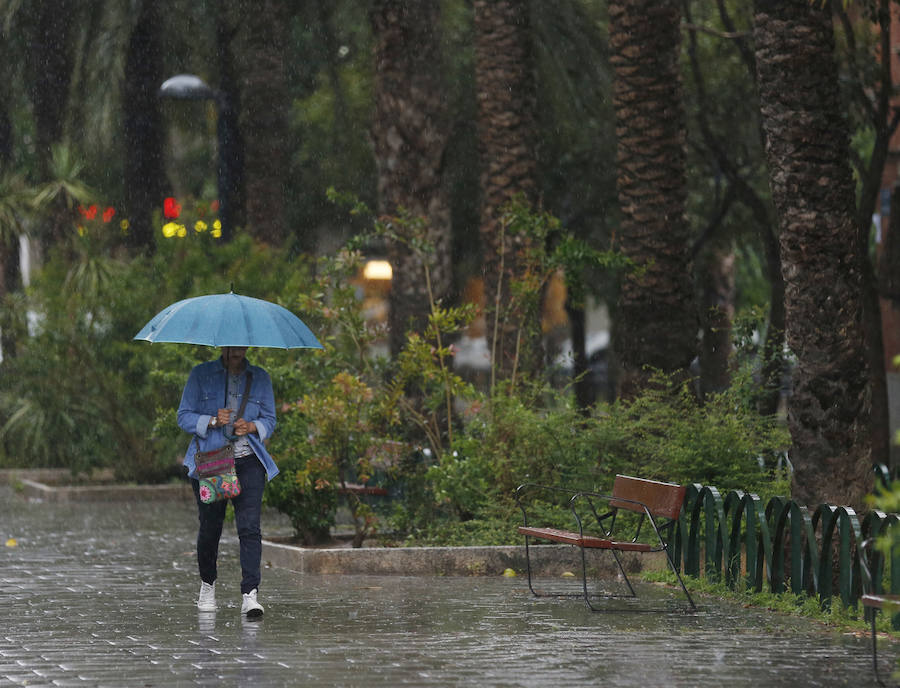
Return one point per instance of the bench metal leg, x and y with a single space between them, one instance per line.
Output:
531 584
680 581
587 596
874 613
622 571
528 567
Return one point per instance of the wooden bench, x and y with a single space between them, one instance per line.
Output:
650 499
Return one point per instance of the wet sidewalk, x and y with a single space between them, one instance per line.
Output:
103 595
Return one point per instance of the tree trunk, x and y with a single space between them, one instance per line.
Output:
228 128
585 394
889 262
884 119
10 281
718 313
145 176
807 149
772 365
506 93
50 61
657 320
264 114
410 134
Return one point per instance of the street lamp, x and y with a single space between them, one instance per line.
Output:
191 87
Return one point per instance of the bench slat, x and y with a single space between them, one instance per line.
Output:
662 499
565 536
590 541
355 488
879 601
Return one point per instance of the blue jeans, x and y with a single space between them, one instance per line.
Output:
247 511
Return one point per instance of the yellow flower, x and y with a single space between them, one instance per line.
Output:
169 230
217 229
81 230
182 231
200 226
124 225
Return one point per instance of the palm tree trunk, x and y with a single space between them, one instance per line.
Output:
51 63
230 141
264 115
144 176
807 149
506 92
410 134
657 320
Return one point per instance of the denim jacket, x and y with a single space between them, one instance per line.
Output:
204 395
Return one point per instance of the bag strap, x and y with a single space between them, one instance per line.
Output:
243 399
240 412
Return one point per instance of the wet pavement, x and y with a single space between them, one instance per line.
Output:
103 595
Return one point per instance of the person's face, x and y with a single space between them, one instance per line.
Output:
233 356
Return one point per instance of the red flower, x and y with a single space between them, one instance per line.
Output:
91 212
171 208
214 206
108 214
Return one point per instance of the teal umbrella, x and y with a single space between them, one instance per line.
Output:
229 320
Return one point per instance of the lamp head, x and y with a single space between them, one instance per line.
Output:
186 87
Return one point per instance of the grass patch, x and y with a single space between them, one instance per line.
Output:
837 615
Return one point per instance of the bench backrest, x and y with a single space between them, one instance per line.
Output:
662 499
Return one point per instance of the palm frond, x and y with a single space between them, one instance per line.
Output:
65 170
15 202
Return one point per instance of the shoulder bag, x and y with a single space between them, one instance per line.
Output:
215 469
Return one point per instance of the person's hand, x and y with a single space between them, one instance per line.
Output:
242 427
223 417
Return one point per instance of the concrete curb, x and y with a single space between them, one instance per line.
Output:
31 489
51 485
551 560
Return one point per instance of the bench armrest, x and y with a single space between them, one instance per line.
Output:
643 514
570 495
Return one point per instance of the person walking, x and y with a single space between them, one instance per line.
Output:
214 392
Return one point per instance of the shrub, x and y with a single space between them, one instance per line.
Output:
80 393
667 434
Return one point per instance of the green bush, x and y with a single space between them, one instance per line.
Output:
82 394
667 434
79 392
306 491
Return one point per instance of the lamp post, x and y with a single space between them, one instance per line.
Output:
191 87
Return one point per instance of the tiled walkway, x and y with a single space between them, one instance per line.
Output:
103 595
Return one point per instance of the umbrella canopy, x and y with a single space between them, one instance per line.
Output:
229 320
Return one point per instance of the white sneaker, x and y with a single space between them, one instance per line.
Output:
250 606
206 602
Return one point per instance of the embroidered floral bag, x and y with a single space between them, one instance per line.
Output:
217 474
215 469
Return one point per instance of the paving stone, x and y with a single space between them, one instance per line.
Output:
103 595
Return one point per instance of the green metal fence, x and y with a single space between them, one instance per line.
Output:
782 545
